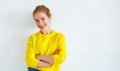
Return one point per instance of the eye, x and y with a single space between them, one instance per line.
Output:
36 20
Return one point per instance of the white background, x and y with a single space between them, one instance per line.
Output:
92 29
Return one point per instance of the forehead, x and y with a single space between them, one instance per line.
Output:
40 15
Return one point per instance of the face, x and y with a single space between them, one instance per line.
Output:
42 20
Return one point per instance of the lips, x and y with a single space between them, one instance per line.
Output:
41 27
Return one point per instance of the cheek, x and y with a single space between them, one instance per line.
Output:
46 22
37 24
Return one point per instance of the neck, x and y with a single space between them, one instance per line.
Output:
47 31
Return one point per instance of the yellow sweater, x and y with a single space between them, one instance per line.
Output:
39 43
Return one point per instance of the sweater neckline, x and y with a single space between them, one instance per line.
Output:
52 32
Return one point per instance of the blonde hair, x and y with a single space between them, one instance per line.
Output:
42 8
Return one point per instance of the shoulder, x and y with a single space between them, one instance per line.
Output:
59 34
34 35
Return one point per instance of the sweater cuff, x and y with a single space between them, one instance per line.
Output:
55 58
36 61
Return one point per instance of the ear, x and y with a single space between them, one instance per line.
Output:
50 17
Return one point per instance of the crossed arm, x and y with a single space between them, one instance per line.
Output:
46 60
41 61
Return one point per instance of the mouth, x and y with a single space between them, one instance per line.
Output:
41 27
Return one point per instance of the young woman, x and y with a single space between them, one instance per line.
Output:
46 49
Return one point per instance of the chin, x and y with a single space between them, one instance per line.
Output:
42 30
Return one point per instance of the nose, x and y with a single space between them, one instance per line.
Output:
40 22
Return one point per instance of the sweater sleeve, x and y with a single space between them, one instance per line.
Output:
30 59
59 58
